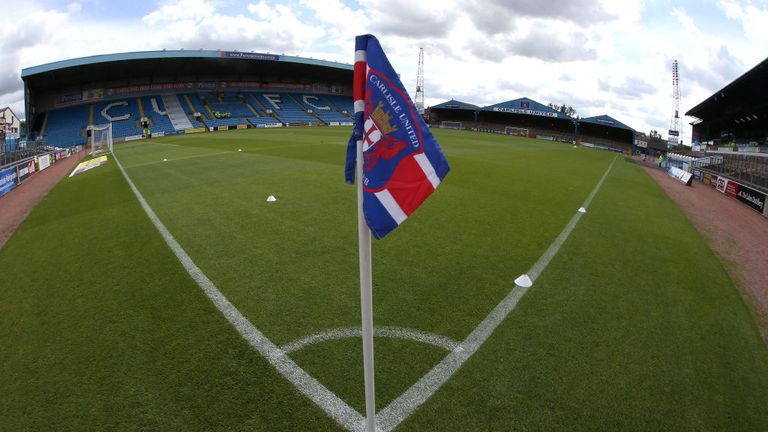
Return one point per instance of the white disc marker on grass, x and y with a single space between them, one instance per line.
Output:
582 210
523 281
165 160
271 198
239 149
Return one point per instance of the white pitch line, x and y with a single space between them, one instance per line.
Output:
179 159
402 407
157 143
346 416
333 406
444 342
544 260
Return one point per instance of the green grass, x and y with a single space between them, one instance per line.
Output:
634 325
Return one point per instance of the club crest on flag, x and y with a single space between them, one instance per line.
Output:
402 162
374 132
379 141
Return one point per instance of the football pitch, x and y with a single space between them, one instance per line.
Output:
632 324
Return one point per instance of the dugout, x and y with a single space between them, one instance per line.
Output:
605 132
735 116
453 114
526 117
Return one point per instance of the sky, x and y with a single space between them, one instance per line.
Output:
598 56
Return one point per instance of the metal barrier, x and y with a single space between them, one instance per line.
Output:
11 152
747 169
735 149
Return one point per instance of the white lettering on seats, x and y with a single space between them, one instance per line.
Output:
105 112
274 100
156 107
306 101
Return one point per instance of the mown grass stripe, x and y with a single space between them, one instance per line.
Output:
402 407
333 406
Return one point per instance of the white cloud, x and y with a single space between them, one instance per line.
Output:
262 10
598 56
197 24
180 10
687 22
74 8
25 29
753 17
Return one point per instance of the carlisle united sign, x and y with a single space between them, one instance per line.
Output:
525 111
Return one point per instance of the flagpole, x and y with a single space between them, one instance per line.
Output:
366 297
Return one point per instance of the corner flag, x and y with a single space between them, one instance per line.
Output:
402 162
398 165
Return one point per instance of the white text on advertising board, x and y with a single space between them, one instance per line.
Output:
525 111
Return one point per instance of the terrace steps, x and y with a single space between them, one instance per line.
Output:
175 112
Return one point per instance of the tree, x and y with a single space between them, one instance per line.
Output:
565 109
22 128
569 111
654 134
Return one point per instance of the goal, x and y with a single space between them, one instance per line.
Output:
516 131
101 139
451 125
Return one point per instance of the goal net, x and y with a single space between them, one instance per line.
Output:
516 131
101 139
451 125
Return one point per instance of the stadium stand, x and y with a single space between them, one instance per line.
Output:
731 133
533 126
188 105
263 121
286 108
453 114
178 117
526 117
222 122
251 100
735 118
178 92
606 131
535 119
123 113
322 108
341 104
65 127
154 110
235 109
197 105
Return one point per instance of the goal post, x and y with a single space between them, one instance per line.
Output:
101 139
451 125
516 131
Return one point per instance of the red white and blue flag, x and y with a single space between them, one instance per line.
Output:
402 162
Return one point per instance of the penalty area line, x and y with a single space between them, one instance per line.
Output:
402 407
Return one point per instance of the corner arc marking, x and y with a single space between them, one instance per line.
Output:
444 342
404 405
326 400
